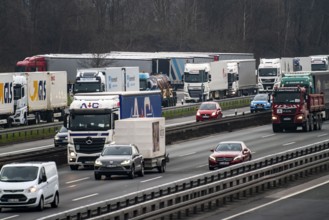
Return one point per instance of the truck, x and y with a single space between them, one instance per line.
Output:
39 96
301 100
319 62
148 134
6 99
169 63
109 79
217 80
91 120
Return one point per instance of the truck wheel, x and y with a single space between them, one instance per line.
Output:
74 167
311 124
275 128
50 117
37 118
9 123
306 126
162 168
132 172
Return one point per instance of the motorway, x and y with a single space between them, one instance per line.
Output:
188 158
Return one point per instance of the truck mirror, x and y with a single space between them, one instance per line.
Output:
209 78
65 121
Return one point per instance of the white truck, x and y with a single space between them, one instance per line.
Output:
320 62
6 99
92 117
148 134
109 79
39 96
219 79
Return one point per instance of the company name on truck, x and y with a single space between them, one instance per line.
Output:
6 92
90 105
39 90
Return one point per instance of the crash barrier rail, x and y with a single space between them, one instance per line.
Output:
214 188
42 131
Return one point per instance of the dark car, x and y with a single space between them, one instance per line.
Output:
208 111
261 102
60 138
228 153
119 160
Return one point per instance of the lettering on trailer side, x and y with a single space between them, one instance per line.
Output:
6 92
39 90
90 105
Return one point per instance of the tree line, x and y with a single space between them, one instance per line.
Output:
272 28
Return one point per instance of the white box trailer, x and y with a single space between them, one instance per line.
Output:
6 99
148 134
118 79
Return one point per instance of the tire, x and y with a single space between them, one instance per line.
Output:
55 203
9 123
132 172
311 124
37 118
275 128
320 124
41 205
211 168
50 117
162 168
306 126
74 167
141 173
97 176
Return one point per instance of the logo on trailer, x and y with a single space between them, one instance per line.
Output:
6 92
39 90
90 105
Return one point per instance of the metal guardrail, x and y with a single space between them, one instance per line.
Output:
212 188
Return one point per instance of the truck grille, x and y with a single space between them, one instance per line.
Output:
89 145
194 93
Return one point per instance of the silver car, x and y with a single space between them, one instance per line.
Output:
119 160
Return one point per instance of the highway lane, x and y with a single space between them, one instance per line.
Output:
78 188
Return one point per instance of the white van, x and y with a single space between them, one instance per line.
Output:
29 184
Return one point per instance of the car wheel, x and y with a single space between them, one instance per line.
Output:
211 168
55 203
141 173
74 167
132 172
108 177
41 205
97 176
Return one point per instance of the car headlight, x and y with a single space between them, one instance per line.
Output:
213 114
212 158
237 158
198 113
125 162
56 138
33 189
98 162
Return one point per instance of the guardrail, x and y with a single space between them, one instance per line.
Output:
213 188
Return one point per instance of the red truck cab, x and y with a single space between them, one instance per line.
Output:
31 64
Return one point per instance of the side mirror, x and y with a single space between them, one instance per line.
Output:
44 178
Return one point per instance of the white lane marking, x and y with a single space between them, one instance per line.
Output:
277 200
27 150
144 181
78 180
184 155
202 166
288 144
72 186
270 135
9 217
84 197
321 135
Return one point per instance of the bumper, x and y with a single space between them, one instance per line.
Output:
18 201
118 170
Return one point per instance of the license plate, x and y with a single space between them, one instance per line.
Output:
89 161
111 165
13 200
224 163
286 119
205 116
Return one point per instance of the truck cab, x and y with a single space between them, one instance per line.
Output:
89 80
269 73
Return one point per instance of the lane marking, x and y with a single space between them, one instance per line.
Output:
27 150
78 180
202 166
321 135
277 200
288 144
84 197
270 135
72 186
184 155
9 217
144 181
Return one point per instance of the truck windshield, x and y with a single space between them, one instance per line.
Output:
319 67
286 98
143 84
268 72
95 122
19 173
195 77
87 87
17 92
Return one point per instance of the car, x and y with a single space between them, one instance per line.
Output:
261 102
208 111
60 139
227 153
119 160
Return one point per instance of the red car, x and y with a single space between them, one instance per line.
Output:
228 153
208 110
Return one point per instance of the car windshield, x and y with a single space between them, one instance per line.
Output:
208 106
18 173
229 147
260 98
119 150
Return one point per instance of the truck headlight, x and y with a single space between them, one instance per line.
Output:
125 162
300 117
274 117
98 162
